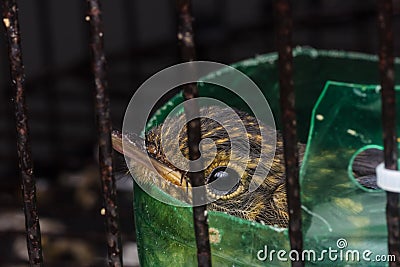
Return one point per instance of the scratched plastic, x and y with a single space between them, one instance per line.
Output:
342 214
343 117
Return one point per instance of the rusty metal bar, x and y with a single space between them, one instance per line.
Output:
386 68
104 130
185 30
287 101
190 91
11 23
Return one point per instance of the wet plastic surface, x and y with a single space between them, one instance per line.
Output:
344 215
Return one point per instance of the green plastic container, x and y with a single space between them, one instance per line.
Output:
336 117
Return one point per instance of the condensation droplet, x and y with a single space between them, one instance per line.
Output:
351 132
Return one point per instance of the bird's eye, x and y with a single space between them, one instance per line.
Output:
223 181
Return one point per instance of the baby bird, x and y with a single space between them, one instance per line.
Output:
227 175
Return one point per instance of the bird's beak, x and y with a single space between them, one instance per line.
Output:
133 148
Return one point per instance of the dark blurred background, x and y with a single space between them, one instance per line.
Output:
140 39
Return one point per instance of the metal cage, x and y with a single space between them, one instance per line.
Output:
283 27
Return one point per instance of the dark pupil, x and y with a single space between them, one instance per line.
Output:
223 181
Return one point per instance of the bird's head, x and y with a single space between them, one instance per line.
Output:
236 150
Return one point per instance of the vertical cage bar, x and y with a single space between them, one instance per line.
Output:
185 30
190 91
104 130
386 68
11 23
287 102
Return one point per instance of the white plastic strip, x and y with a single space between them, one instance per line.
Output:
388 180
